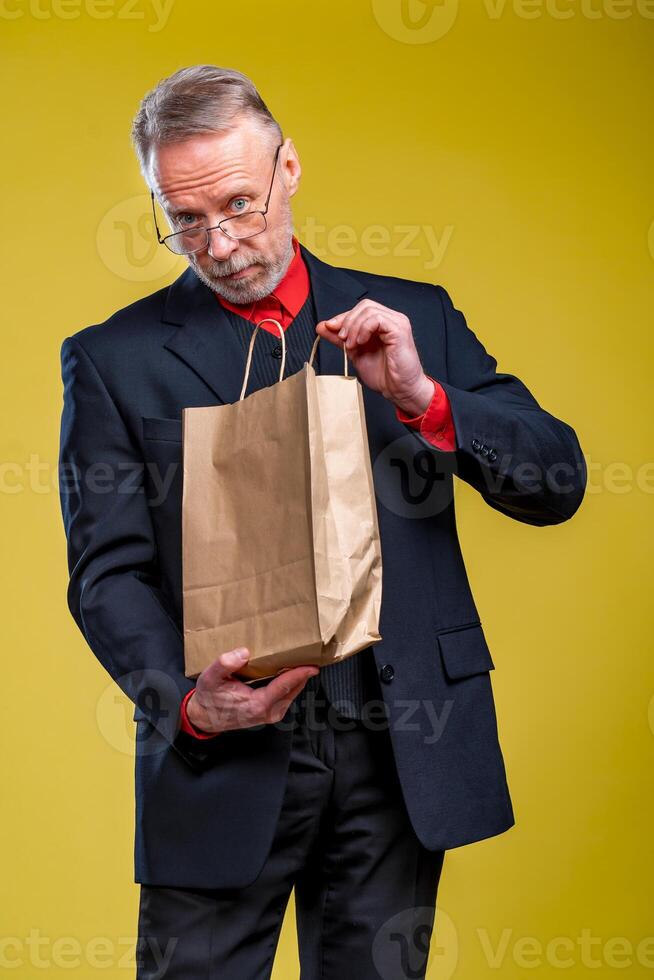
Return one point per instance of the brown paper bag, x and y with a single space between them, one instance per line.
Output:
280 539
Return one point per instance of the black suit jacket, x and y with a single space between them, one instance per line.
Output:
206 810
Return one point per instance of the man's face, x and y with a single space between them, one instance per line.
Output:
216 176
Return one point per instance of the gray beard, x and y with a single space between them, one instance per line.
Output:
242 291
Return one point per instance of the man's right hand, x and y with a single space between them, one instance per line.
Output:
221 702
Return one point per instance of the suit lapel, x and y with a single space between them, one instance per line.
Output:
203 337
204 340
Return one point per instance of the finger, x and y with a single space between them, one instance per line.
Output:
285 686
330 328
339 338
384 324
291 677
226 664
328 334
334 331
362 313
343 320
361 332
277 709
334 322
363 306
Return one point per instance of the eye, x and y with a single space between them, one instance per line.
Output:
240 204
187 220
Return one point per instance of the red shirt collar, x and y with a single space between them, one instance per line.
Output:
285 301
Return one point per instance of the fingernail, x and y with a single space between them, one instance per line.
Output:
241 653
342 333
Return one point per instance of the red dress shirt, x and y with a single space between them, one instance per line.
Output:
283 304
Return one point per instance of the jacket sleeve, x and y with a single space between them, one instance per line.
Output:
524 462
113 591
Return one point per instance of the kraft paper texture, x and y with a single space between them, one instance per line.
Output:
280 538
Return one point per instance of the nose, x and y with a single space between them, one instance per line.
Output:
220 247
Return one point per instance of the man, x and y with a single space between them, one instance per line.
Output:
347 783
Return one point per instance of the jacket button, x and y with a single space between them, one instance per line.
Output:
277 351
492 455
476 445
484 450
387 673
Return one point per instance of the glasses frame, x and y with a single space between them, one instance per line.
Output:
219 226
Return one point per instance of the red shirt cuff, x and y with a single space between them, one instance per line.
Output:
435 424
186 725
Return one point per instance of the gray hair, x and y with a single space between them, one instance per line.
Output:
193 101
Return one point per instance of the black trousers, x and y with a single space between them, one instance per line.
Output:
365 888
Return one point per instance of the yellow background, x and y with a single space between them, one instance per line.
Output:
521 138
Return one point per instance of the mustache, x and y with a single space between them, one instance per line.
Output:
218 269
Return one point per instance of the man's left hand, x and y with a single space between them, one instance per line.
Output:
380 344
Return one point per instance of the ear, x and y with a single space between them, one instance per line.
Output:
290 166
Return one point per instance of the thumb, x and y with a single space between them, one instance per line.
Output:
227 663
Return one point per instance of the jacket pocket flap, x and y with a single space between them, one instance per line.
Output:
465 652
170 430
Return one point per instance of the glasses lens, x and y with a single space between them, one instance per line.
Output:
244 225
187 241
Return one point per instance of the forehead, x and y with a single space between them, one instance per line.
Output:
211 163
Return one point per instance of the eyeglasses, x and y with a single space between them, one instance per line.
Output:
245 225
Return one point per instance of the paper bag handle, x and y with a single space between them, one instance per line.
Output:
313 354
267 319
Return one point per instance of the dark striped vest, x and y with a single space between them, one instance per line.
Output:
353 682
